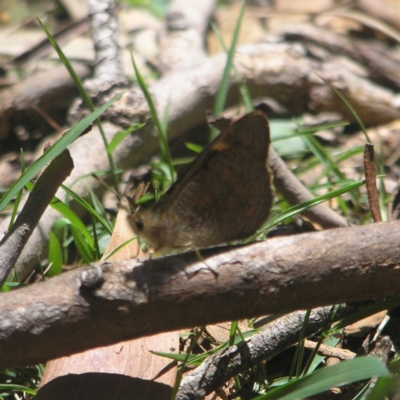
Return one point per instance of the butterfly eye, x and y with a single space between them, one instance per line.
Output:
139 225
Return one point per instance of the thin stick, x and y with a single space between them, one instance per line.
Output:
370 181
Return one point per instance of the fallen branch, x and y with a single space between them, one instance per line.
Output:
275 338
109 302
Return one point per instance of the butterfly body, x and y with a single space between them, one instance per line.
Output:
224 195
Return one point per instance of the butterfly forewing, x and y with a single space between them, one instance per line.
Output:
223 196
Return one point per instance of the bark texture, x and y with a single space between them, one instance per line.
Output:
110 302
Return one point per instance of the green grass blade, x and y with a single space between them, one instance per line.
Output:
19 194
349 106
53 152
108 255
87 252
323 156
309 131
383 387
244 91
197 359
232 332
365 312
181 357
224 86
324 379
55 255
196 148
85 96
121 135
72 218
165 153
315 358
81 201
299 208
299 353
67 64
19 388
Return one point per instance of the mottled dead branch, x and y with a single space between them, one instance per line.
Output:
133 299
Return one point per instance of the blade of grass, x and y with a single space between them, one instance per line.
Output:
87 252
75 77
72 218
121 135
103 221
364 313
310 131
383 387
55 255
60 227
232 332
108 255
53 152
349 106
220 99
19 195
323 156
244 91
95 205
299 353
11 386
324 379
326 160
224 86
315 360
165 153
299 208
196 360
182 367
85 96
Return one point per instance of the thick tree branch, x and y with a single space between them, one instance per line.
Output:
106 303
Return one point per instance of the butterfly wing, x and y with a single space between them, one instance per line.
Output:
224 195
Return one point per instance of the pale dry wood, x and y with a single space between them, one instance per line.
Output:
384 10
379 61
132 299
181 41
329 351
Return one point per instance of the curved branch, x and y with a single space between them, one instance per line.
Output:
132 299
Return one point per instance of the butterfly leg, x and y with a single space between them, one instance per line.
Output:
212 270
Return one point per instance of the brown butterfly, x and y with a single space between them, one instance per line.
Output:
224 195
